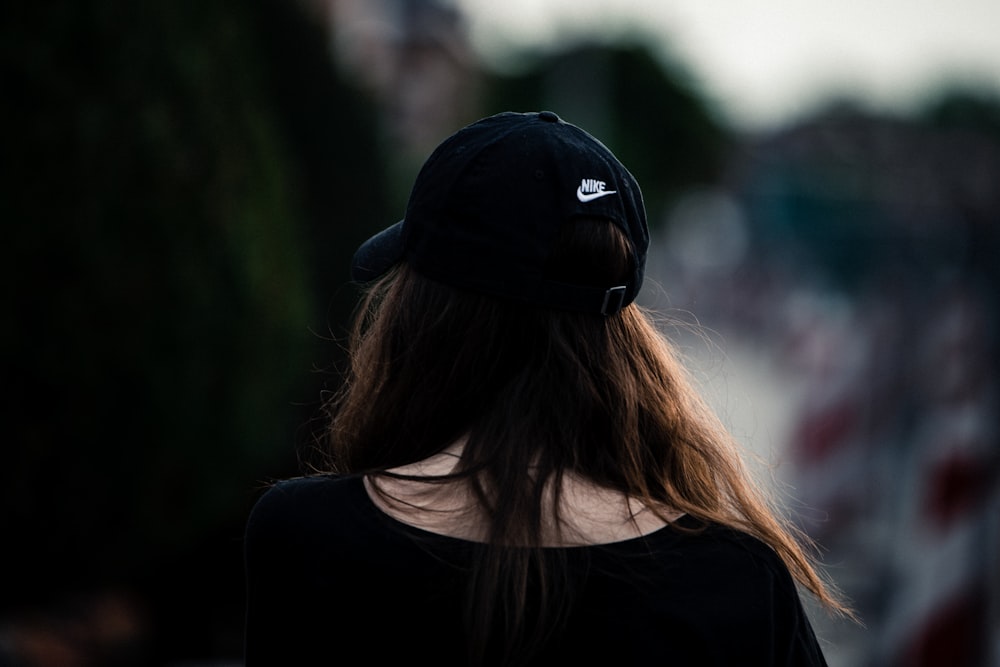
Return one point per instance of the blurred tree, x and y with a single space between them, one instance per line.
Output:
965 108
967 122
847 193
645 108
178 180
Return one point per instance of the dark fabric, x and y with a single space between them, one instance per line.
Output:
329 575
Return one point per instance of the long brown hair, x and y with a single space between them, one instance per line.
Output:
602 398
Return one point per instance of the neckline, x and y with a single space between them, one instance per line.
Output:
361 487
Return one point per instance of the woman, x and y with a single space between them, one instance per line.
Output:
518 471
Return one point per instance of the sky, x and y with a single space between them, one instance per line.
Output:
766 62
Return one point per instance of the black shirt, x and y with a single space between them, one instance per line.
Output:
332 580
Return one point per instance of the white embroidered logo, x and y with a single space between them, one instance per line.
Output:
591 189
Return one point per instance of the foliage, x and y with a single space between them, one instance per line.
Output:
165 212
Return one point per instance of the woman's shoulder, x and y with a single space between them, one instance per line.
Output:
713 536
308 485
295 501
712 552
713 567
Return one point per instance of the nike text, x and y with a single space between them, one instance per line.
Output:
591 188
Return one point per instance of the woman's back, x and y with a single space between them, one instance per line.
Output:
331 575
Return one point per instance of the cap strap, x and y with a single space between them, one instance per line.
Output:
606 301
613 300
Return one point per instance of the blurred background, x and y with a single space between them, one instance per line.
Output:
185 182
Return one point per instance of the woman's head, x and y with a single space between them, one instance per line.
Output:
522 234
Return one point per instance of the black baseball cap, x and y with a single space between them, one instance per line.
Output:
488 204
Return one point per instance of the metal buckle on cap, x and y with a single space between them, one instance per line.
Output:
613 300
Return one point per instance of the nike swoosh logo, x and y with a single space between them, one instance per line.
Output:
586 197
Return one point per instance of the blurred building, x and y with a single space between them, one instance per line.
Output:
864 268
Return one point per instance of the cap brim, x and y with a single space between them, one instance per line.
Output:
378 254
